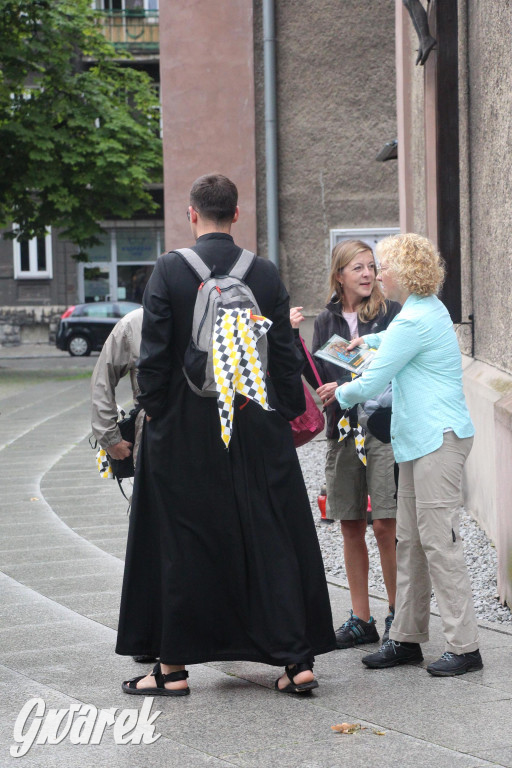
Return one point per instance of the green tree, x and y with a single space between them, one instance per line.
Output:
78 127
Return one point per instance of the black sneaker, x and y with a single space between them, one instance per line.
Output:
456 664
355 631
391 654
388 622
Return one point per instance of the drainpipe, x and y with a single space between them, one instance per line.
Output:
269 61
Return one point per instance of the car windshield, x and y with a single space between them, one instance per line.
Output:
99 309
127 306
105 309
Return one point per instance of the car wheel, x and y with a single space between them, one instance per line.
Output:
79 346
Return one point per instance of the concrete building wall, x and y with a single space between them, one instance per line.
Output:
417 120
336 109
484 387
503 427
488 31
465 175
490 131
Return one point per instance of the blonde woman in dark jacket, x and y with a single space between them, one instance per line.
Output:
356 307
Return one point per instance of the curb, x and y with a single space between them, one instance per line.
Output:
491 625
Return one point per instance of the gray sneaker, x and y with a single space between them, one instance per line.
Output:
355 631
456 664
391 654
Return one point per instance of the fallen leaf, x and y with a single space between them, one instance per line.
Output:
34 498
379 733
346 727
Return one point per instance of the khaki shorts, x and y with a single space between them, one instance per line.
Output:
349 482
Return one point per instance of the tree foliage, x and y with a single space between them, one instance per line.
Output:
78 127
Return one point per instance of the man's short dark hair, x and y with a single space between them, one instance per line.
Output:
215 197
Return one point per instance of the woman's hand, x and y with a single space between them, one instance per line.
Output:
296 316
326 393
355 343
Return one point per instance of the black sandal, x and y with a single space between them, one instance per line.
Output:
292 671
130 686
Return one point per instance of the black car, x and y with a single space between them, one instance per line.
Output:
84 328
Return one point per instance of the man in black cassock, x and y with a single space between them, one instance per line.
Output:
222 561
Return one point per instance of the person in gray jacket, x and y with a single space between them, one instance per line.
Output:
118 358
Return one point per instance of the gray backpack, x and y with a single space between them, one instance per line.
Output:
214 293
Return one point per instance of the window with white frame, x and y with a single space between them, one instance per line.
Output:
33 258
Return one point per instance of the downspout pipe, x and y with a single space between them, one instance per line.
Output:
269 62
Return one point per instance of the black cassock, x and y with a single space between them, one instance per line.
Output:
222 560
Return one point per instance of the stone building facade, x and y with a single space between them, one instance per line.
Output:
336 109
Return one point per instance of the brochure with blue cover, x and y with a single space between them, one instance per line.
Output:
335 351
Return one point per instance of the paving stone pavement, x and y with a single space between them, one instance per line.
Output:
62 538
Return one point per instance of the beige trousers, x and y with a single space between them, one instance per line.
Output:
429 550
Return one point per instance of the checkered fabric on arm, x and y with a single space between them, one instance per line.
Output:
236 363
103 465
102 457
358 432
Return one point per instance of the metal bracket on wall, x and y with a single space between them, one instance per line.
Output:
471 323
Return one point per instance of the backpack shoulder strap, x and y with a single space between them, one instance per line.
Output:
195 263
242 265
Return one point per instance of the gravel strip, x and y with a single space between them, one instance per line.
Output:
480 553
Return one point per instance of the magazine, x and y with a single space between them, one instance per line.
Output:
335 351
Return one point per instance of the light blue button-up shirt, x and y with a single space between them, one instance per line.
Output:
420 355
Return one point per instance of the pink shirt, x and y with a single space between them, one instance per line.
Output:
351 318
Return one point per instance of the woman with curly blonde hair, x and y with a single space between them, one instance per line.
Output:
356 306
432 435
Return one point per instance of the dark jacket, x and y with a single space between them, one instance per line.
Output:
222 539
329 322
168 309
